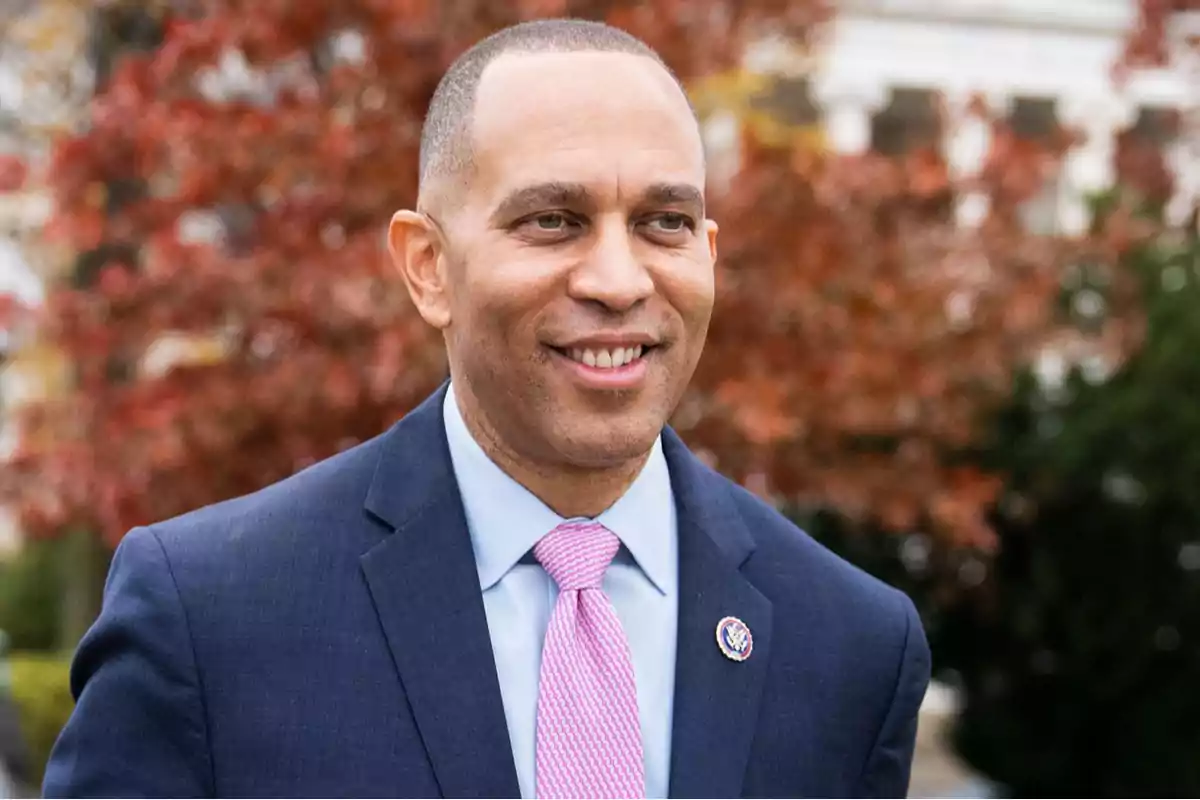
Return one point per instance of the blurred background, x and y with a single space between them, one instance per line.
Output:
957 334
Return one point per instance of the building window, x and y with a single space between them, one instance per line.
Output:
1034 122
907 124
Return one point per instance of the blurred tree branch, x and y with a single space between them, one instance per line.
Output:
229 190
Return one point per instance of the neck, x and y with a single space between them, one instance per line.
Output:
575 493
568 490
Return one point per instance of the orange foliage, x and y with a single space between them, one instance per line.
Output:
858 336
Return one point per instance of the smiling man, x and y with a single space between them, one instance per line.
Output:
528 586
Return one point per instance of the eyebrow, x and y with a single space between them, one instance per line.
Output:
540 196
674 194
558 194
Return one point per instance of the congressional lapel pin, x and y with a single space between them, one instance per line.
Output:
734 639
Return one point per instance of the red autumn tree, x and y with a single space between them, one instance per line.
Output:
833 374
1154 42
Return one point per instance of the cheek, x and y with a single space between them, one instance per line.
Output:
501 302
690 289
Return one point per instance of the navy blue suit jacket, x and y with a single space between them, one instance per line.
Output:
326 637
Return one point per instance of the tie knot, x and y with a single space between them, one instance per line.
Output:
576 554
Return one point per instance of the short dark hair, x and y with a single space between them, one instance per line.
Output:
446 134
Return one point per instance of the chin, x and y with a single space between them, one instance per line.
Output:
602 443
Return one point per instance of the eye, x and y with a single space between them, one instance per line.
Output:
672 223
551 222
548 226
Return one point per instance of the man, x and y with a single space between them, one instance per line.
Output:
528 586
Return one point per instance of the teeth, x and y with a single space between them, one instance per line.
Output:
607 359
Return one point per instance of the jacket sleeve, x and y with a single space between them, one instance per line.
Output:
138 728
889 765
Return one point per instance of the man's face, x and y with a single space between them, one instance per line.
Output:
579 263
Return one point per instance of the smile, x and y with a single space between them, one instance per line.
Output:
604 358
619 366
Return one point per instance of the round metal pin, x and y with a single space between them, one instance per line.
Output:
734 639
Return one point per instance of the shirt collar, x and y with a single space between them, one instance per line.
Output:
506 520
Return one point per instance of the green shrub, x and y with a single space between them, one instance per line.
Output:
31 596
41 688
1076 649
1078 656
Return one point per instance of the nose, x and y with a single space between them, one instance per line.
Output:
612 275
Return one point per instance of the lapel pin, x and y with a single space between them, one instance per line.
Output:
734 639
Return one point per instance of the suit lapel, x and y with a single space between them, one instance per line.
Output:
423 581
716 699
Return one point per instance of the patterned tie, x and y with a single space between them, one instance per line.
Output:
589 741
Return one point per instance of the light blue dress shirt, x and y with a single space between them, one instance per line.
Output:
505 521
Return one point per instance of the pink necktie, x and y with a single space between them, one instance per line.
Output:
589 740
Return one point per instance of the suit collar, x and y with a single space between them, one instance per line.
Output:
506 520
716 699
425 585
413 467
705 502
423 582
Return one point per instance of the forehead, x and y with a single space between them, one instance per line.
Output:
608 121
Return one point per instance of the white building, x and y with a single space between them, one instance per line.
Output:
20 214
15 279
43 85
1035 62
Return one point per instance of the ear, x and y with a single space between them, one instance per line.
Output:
710 229
417 253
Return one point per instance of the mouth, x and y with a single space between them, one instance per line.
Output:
611 367
605 357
